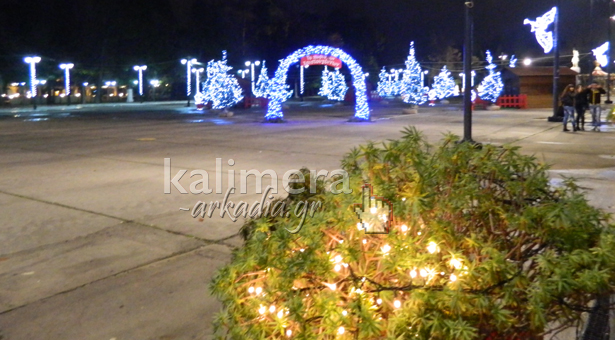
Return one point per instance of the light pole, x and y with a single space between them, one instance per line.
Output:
243 73
155 83
197 72
67 68
188 63
251 64
140 69
608 65
467 70
32 61
84 92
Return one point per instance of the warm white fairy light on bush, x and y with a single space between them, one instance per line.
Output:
279 89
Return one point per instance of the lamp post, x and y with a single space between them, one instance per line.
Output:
140 69
197 72
155 83
32 61
608 65
467 70
243 73
67 68
251 65
188 63
84 92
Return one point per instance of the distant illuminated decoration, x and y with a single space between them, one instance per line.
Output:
32 61
513 62
600 54
279 89
539 27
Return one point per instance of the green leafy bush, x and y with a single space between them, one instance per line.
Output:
481 246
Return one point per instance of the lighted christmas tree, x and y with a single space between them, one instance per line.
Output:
491 87
444 84
384 84
338 86
261 90
220 87
480 246
411 89
326 83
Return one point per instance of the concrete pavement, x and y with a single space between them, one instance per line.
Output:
91 247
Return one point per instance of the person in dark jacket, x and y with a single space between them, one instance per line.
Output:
581 105
567 99
594 92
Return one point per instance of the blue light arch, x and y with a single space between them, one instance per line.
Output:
279 90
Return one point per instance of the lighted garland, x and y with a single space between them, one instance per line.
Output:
279 90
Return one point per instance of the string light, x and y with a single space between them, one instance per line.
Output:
258 290
251 290
404 228
279 89
386 248
413 273
272 309
453 278
341 330
433 247
379 301
539 27
289 333
262 309
397 304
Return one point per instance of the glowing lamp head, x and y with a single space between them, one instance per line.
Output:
31 60
527 61
66 66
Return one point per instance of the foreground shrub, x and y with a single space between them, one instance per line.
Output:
480 246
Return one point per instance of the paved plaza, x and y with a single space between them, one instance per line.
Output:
92 248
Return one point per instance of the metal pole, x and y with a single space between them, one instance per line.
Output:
608 65
556 63
467 70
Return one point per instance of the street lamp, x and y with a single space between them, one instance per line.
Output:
32 61
188 63
527 61
197 72
467 70
140 69
155 83
251 64
243 73
608 67
66 68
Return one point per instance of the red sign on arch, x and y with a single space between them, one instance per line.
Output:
321 59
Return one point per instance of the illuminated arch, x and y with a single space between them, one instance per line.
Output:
279 90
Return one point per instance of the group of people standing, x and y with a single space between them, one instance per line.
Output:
580 100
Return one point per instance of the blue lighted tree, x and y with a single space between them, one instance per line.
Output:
221 88
385 85
444 84
412 90
326 83
491 87
261 90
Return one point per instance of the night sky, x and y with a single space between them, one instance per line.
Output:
111 36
